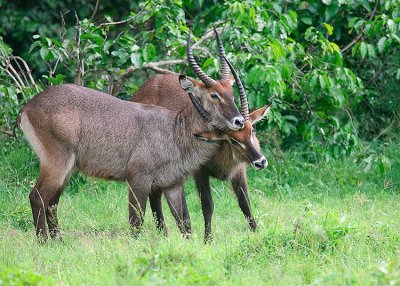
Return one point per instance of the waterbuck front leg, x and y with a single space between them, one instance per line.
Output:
138 194
177 204
156 208
239 184
202 180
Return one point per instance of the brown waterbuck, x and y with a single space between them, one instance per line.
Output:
73 128
229 161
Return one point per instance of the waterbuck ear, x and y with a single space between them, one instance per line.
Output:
211 136
259 114
188 85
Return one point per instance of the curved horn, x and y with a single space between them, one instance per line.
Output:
224 66
244 105
200 108
208 81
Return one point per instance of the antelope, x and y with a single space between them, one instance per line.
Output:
74 128
229 161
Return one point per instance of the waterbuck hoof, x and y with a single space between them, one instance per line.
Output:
208 239
252 225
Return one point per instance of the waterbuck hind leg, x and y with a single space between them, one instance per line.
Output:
202 181
56 164
138 195
52 219
44 198
239 184
177 204
156 207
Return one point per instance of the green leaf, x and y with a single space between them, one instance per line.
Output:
363 50
44 52
208 62
381 44
149 53
328 28
331 12
34 45
107 46
371 51
327 2
306 20
56 80
322 82
135 59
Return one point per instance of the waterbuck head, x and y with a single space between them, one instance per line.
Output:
245 140
213 99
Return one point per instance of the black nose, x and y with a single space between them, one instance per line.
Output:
238 122
261 163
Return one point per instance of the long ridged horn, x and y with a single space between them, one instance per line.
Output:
244 105
208 81
200 108
224 66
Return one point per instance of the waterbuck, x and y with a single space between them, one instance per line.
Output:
228 162
73 128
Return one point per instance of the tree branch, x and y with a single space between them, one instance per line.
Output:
79 69
359 36
126 20
96 7
207 35
155 66
12 77
27 69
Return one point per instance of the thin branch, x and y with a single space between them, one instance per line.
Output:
63 29
96 7
12 77
126 20
20 70
155 66
9 66
28 71
79 69
160 70
207 35
359 36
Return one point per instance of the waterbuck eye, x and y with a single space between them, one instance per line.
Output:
214 96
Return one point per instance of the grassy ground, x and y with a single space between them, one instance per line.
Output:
320 223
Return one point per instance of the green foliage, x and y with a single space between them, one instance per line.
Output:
18 277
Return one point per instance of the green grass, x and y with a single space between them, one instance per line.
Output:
322 223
